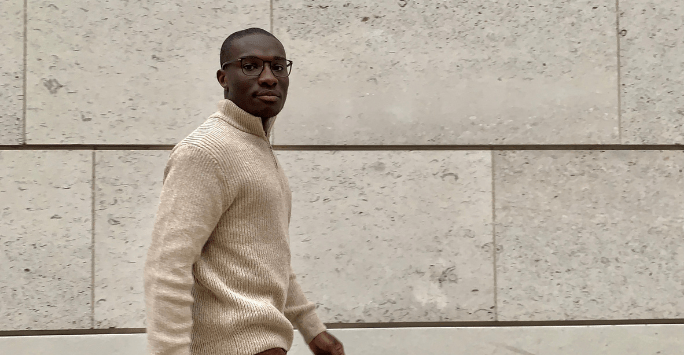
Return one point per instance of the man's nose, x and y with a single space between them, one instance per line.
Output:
267 74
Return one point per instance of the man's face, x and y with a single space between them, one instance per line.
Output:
243 89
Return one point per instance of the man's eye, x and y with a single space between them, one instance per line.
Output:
279 67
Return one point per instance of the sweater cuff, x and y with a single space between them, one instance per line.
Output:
310 326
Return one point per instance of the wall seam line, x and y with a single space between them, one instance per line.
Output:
23 129
494 246
619 70
385 326
369 147
92 245
271 2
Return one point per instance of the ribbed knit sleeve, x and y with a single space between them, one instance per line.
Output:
302 313
193 198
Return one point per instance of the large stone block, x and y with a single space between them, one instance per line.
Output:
393 236
45 239
127 188
589 234
121 72
11 71
100 344
652 63
590 340
437 205
440 72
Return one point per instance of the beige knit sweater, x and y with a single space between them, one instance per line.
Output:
218 278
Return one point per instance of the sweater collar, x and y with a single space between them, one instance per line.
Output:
243 120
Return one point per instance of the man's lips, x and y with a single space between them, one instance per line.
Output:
269 98
268 95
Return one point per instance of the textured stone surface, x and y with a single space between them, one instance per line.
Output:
496 73
593 340
127 72
441 197
652 63
11 71
127 188
589 234
45 239
102 344
393 236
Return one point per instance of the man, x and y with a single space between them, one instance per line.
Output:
218 278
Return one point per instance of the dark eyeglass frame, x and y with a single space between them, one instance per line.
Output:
288 66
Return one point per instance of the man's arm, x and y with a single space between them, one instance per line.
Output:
300 312
192 200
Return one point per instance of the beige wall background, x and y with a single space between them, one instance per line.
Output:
469 177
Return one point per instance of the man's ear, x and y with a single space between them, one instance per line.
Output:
221 77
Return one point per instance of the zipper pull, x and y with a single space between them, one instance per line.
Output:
271 147
273 154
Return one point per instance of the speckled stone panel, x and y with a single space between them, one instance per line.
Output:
652 71
45 239
444 72
101 344
121 72
11 71
589 234
393 236
590 340
127 188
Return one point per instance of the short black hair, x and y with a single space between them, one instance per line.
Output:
225 47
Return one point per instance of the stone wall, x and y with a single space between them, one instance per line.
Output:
468 177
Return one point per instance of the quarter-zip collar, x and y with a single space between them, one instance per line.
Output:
243 120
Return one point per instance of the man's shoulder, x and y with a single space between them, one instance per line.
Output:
212 133
219 140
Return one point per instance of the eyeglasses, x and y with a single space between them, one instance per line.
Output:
253 66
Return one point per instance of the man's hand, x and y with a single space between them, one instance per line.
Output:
326 344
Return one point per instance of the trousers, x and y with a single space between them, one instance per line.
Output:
273 351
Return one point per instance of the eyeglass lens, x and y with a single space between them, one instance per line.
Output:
253 66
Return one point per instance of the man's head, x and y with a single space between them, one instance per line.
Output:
242 89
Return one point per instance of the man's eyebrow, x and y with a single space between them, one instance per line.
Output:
274 57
